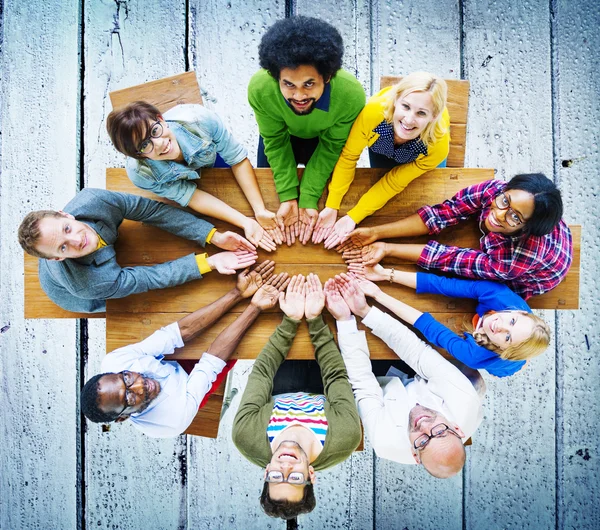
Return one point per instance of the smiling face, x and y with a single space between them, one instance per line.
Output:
506 328
289 457
517 203
165 147
442 449
412 113
302 87
115 396
65 237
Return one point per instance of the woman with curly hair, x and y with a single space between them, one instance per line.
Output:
407 129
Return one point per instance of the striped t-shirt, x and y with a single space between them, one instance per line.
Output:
298 408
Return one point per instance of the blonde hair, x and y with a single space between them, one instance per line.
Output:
421 82
533 346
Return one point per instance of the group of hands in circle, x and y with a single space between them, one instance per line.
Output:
301 296
291 223
358 246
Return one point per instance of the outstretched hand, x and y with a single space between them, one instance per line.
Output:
269 221
324 226
258 236
292 301
374 273
249 281
336 305
268 294
229 262
287 214
359 237
369 255
340 232
352 294
307 220
231 241
315 298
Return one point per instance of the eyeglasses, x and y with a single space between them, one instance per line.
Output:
147 145
437 431
128 380
512 218
295 477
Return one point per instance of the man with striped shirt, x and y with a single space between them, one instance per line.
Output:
297 417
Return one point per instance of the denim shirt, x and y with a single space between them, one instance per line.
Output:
201 135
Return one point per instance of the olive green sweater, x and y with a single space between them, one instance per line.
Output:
276 122
250 424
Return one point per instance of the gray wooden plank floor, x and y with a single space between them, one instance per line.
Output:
534 107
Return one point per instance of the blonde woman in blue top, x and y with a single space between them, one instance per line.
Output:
165 154
505 333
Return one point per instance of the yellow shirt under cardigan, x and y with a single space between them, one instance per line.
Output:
201 259
394 181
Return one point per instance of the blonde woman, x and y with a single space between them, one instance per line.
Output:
406 128
505 333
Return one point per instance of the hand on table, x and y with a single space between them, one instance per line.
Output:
336 305
292 301
340 233
307 220
288 215
249 281
229 262
324 226
231 241
268 294
315 298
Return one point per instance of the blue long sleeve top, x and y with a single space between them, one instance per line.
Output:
490 296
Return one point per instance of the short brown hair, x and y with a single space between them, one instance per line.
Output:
29 231
128 125
286 509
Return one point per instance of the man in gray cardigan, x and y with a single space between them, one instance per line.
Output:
285 424
78 267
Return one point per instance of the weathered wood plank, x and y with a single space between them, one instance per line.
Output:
576 86
39 360
410 36
507 57
125 44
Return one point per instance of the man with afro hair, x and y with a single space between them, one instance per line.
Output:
305 105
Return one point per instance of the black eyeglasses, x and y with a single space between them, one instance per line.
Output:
128 380
147 145
295 477
437 431
512 218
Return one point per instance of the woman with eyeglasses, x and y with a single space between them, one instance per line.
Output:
504 332
525 243
165 154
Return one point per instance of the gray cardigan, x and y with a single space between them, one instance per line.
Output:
83 284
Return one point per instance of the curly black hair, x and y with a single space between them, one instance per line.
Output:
548 206
286 509
292 42
89 402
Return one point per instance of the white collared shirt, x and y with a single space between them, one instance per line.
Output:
384 403
181 394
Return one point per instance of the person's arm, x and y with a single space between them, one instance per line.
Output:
395 180
263 94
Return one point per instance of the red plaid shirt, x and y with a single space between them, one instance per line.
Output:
528 266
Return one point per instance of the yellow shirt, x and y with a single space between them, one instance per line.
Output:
394 181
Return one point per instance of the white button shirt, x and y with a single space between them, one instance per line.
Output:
384 403
171 412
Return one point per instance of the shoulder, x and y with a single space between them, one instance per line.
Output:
261 81
344 82
88 199
189 113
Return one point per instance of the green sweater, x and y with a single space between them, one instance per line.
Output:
251 421
276 122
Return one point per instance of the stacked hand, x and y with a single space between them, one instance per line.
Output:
249 281
274 227
258 236
268 294
231 241
288 216
229 262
